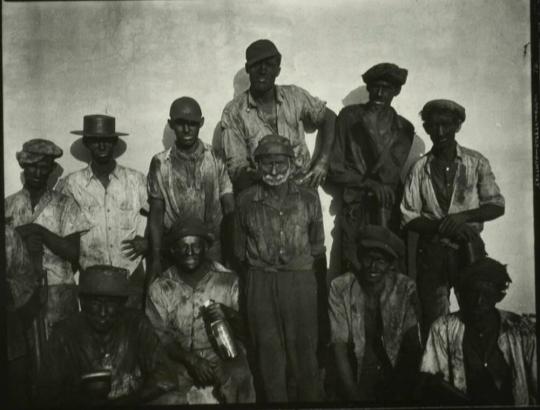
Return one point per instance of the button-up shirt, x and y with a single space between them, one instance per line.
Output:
191 185
113 211
282 236
516 341
174 306
347 309
244 126
57 213
473 186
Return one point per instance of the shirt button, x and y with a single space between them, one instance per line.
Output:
281 213
281 232
111 246
281 251
108 210
485 364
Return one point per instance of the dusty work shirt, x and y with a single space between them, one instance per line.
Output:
244 126
347 300
473 186
174 307
56 212
279 236
114 213
191 185
516 340
132 352
370 144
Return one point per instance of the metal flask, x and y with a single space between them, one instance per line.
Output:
220 334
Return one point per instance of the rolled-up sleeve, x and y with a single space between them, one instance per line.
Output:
411 203
435 358
338 315
488 190
225 185
73 219
156 311
313 110
234 144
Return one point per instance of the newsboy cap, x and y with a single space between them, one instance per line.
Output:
442 105
273 144
387 72
36 149
185 108
379 237
104 280
188 227
259 50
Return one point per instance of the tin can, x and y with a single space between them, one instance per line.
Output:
222 336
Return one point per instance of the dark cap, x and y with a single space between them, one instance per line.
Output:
189 227
379 237
259 50
484 270
387 72
185 108
36 149
100 126
442 105
104 280
274 145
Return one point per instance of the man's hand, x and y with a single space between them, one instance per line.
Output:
465 233
316 175
202 370
133 248
451 223
383 193
32 236
216 311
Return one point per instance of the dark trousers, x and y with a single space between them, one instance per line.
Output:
437 267
282 319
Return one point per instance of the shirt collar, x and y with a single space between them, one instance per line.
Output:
429 155
172 273
199 151
251 103
261 194
88 174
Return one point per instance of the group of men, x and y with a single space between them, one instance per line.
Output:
243 229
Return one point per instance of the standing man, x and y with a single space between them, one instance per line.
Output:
111 196
486 355
175 308
267 108
372 145
105 339
51 224
373 312
449 193
279 239
187 180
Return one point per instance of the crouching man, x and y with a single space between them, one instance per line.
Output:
481 355
373 315
174 307
107 354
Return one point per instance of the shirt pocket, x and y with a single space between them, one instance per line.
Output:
126 217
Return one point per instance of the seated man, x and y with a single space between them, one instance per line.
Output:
483 354
104 337
373 311
174 307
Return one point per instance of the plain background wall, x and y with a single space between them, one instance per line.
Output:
132 59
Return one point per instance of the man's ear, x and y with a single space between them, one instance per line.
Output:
425 127
278 71
170 123
397 90
201 122
458 126
246 67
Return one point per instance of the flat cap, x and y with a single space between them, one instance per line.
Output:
274 145
37 149
188 227
484 270
442 105
387 72
259 50
185 108
104 280
379 237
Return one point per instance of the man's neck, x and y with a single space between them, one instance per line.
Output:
265 97
188 150
103 169
194 277
447 154
36 194
278 191
488 323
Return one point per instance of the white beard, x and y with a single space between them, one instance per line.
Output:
276 180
